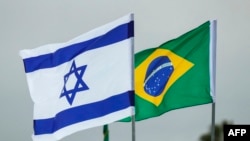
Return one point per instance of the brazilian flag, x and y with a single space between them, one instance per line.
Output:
179 73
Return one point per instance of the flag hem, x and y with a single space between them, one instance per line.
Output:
212 58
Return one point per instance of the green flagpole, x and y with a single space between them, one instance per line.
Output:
105 133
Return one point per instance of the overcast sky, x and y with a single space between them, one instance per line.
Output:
28 24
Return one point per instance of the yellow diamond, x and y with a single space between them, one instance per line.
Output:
181 66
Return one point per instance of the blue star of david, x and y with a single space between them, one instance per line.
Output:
79 84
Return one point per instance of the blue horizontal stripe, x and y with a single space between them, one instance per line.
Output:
65 54
84 113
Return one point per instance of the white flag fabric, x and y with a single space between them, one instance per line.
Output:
83 83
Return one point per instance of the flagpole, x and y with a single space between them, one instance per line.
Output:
213 70
133 128
213 122
133 116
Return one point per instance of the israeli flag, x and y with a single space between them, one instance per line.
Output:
83 83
